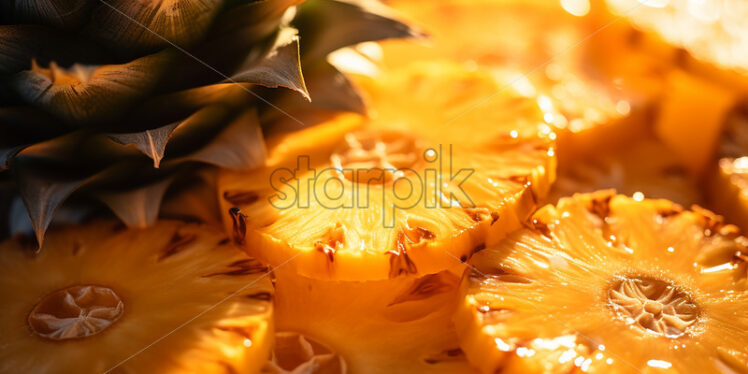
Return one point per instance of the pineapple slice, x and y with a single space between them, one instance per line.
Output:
401 325
603 283
645 167
173 298
447 161
593 77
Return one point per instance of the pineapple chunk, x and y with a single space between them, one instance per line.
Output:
447 162
691 118
604 283
173 298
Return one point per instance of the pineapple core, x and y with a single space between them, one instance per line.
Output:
76 312
654 305
375 156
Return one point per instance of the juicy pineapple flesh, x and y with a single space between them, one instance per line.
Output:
408 191
173 298
646 166
395 326
604 283
594 94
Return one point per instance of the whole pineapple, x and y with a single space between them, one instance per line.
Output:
108 100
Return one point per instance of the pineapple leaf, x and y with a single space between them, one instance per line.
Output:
19 44
84 94
329 87
280 67
57 13
333 90
239 146
257 18
350 22
139 27
151 142
7 154
137 207
22 127
41 194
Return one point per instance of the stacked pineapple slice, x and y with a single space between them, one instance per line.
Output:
603 283
405 241
404 193
173 298
369 219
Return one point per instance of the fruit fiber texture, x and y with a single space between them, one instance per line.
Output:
596 78
173 298
604 283
445 178
401 325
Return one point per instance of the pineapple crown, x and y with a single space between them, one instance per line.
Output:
113 100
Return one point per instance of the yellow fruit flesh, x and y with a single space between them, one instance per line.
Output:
607 284
336 221
595 76
99 297
645 167
401 325
691 119
727 185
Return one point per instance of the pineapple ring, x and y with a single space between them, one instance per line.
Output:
98 294
406 192
604 283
